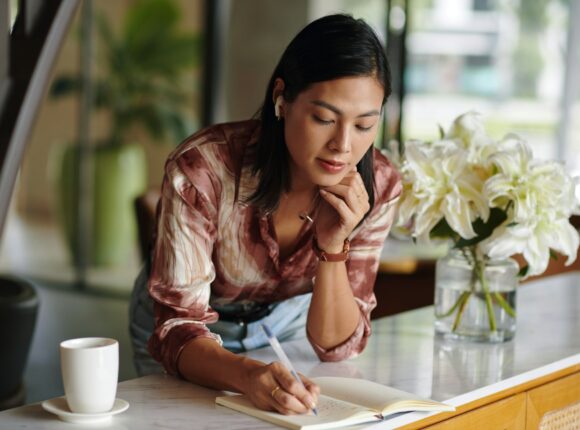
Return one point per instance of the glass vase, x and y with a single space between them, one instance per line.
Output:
475 297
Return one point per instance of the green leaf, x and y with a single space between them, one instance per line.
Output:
161 119
553 255
183 52
105 32
523 271
484 229
149 24
65 85
442 230
103 94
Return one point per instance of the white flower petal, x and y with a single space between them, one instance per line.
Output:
506 241
537 258
566 240
458 217
426 220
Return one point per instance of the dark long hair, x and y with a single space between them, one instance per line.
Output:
331 47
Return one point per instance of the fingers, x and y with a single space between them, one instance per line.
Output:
354 196
346 203
351 188
312 388
292 396
350 202
339 204
358 183
276 405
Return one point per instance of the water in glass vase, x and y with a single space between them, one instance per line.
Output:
475 299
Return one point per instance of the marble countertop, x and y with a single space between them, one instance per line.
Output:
402 352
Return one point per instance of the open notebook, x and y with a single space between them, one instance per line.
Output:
342 402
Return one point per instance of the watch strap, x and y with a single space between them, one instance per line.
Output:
325 256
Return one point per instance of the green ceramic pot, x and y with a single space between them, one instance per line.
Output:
120 175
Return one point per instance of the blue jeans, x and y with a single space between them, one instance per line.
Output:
287 321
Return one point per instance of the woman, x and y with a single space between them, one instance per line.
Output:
279 220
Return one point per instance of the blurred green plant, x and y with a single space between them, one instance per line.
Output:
528 60
144 63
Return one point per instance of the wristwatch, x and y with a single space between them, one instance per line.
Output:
325 256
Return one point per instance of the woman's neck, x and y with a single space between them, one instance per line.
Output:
294 210
300 199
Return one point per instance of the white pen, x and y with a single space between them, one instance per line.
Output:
282 356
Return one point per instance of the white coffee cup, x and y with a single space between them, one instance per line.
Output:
90 370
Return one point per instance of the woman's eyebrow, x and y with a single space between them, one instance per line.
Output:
339 112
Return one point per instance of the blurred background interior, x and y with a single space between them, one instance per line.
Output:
95 94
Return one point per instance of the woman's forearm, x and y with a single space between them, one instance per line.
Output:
203 361
333 314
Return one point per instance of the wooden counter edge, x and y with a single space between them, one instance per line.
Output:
492 398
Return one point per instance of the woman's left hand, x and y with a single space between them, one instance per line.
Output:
343 206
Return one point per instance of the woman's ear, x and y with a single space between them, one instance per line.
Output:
278 107
278 97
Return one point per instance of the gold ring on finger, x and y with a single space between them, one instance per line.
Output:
274 390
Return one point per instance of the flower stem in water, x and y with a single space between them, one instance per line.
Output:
479 268
463 299
455 305
505 305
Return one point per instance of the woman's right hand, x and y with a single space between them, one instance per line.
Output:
272 387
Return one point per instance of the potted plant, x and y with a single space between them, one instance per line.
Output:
138 87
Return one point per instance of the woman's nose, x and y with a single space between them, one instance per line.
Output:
341 141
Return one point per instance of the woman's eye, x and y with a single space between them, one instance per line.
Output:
363 128
322 121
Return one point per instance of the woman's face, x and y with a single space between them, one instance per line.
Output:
329 127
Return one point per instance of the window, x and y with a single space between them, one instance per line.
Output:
505 59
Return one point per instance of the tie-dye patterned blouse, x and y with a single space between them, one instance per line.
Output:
210 250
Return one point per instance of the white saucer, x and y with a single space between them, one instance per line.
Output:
60 408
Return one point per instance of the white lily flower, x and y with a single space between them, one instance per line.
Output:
442 185
533 240
528 183
462 176
468 129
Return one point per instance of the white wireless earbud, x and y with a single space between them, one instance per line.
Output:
277 107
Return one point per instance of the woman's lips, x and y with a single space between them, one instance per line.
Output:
331 166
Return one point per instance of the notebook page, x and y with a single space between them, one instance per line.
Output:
362 392
332 413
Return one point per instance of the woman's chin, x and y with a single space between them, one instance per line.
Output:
324 181
320 179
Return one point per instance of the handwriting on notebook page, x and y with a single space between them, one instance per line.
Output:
330 407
